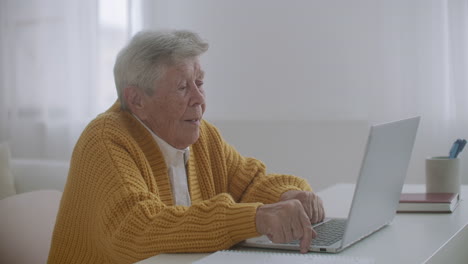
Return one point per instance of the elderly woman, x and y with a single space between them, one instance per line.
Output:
150 176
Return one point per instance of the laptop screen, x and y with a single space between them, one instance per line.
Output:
382 175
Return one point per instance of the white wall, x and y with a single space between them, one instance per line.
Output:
272 59
323 152
307 61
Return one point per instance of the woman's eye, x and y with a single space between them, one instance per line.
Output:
199 83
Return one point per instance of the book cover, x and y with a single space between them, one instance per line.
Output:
428 202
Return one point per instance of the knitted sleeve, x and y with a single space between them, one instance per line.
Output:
247 178
135 224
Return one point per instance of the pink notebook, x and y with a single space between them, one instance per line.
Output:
428 197
428 202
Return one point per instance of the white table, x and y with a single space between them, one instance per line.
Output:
411 238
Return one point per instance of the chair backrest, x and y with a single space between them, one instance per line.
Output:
27 221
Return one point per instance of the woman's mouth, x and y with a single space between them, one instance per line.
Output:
193 121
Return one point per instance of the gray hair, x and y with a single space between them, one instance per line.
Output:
147 55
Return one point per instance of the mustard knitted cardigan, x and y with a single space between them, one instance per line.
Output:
117 206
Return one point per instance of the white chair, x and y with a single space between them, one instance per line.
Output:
26 224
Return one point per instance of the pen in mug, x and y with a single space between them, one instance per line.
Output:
457 147
460 147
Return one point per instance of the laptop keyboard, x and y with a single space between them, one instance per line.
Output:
328 233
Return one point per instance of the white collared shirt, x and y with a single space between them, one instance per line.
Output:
175 159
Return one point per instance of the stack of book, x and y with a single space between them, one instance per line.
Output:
428 202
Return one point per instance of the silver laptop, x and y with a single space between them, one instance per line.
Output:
382 175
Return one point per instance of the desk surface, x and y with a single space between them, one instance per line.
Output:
411 238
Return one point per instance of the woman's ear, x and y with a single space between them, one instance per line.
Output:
134 100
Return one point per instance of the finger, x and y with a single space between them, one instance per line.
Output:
288 231
315 212
322 209
295 222
319 209
297 229
279 235
292 226
310 206
308 233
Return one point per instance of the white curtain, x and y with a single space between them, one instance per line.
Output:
55 69
440 84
